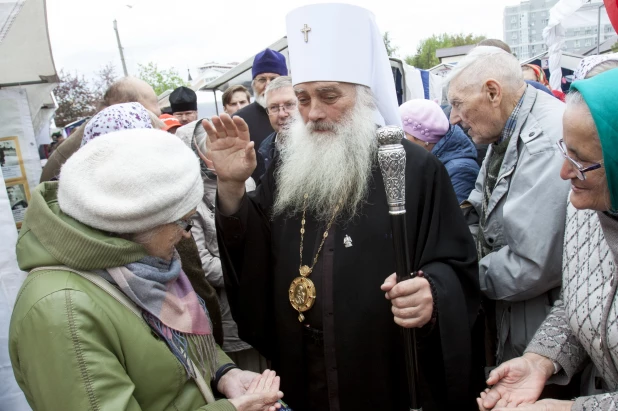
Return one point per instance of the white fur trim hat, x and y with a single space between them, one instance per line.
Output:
130 181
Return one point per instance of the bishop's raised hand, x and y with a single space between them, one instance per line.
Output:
230 148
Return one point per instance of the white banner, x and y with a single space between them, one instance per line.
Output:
11 277
16 130
20 170
554 35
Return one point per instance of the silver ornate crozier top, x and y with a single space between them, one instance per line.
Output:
392 159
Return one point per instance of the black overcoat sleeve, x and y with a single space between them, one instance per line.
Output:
443 248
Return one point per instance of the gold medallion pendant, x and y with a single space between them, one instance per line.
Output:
302 292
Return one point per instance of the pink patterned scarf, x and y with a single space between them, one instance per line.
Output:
171 308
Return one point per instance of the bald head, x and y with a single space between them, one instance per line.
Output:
132 90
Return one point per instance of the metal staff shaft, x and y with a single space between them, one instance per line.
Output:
392 159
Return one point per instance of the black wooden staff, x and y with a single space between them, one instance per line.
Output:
392 159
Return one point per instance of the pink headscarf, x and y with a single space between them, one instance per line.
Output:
123 116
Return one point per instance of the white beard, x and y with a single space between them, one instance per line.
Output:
328 167
259 98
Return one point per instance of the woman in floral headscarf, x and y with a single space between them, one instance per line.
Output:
124 116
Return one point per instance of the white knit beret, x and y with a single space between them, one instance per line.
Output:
130 181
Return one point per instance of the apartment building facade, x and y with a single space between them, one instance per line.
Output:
524 23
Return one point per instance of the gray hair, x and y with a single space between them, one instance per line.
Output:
365 97
486 62
277 84
576 99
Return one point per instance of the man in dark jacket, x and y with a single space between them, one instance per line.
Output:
281 102
267 66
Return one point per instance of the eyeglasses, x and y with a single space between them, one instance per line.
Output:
264 80
184 224
275 108
579 169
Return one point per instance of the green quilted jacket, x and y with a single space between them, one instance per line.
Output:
73 346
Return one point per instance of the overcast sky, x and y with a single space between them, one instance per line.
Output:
186 33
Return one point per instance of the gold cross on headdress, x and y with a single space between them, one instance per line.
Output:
305 30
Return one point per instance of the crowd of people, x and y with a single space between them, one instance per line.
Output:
179 263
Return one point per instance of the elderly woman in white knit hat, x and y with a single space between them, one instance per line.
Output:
425 124
107 319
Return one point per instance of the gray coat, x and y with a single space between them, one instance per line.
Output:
524 225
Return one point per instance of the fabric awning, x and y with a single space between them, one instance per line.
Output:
26 56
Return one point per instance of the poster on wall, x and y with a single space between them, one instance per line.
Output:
17 140
11 159
19 196
19 157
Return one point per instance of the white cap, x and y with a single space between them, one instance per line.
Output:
130 181
342 43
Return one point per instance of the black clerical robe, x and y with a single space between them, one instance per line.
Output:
363 353
259 128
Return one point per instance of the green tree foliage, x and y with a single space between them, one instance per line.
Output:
425 57
77 97
390 49
160 80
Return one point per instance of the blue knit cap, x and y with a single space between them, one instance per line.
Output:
269 61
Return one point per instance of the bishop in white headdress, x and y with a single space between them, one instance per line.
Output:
342 43
308 257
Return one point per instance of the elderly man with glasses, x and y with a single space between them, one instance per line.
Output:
281 104
267 66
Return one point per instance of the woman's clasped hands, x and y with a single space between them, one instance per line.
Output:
248 391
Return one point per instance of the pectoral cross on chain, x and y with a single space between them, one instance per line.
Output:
305 30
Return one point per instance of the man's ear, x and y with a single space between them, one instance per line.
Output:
494 92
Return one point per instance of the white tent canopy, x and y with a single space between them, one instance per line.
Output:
26 59
24 44
561 17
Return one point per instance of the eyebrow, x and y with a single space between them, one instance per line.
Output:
327 89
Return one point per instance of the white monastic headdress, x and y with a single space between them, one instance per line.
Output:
341 42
